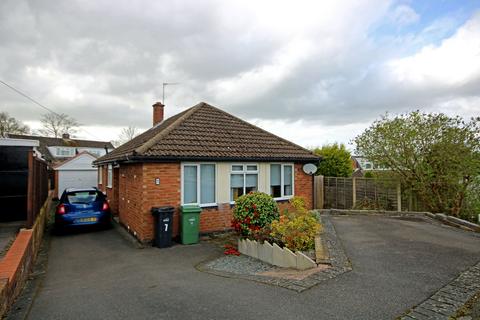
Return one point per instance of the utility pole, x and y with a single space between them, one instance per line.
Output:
163 89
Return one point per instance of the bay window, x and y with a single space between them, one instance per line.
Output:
281 180
243 179
198 184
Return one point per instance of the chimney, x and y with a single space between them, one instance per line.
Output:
65 136
157 112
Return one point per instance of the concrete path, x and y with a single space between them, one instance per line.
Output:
396 264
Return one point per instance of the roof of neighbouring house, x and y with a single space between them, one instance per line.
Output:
204 132
46 142
70 160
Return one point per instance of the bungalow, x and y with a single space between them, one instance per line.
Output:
202 156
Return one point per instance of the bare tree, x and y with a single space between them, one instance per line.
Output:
54 125
11 125
126 135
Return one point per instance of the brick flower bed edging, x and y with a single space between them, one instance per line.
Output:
338 259
444 304
15 266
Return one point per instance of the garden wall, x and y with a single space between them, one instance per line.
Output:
17 263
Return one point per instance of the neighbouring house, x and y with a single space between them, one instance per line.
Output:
202 156
362 165
71 158
56 150
76 172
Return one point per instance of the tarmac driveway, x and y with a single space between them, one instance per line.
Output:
396 265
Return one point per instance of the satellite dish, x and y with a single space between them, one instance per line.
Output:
309 168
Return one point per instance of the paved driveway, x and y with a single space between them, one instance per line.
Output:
396 264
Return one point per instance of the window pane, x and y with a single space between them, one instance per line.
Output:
252 168
276 191
236 182
287 180
109 175
190 184
275 174
251 180
237 167
251 183
100 174
207 183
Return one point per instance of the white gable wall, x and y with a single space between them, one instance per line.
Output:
82 162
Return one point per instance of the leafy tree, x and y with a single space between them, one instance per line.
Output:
11 125
436 155
126 135
336 161
54 125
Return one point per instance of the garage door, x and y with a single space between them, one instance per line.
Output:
76 179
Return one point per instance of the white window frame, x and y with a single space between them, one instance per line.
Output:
198 164
109 176
244 172
100 175
282 181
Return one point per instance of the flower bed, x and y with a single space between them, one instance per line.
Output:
279 239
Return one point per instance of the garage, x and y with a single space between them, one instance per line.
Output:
76 172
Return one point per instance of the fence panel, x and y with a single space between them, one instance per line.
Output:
361 193
38 177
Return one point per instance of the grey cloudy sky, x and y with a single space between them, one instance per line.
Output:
310 71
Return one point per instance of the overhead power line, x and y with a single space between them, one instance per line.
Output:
39 104
28 97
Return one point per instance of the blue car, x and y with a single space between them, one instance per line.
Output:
82 207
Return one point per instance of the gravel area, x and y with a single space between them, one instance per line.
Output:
248 268
240 265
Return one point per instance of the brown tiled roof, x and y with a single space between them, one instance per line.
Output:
204 132
60 142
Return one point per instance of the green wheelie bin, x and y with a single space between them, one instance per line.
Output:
190 224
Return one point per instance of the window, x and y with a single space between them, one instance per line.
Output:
100 174
65 151
199 184
281 180
85 197
109 176
243 179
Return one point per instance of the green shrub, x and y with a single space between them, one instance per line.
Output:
296 230
252 214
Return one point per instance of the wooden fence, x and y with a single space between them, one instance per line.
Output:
357 193
37 192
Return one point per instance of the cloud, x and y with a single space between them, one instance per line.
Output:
455 62
404 15
317 70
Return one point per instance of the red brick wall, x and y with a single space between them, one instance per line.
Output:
130 198
167 193
138 193
304 185
216 218
18 261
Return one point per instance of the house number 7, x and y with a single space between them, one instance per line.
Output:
166 226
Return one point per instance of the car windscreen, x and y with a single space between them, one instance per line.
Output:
83 196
